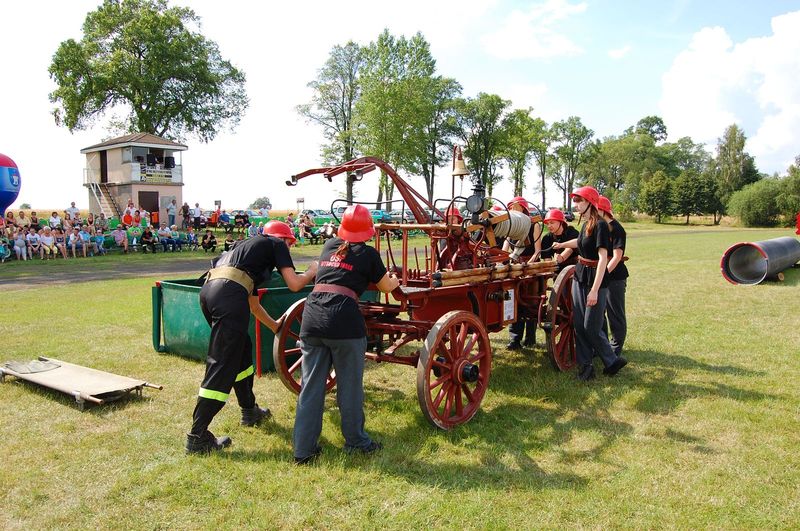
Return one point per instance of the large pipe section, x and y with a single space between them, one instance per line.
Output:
753 262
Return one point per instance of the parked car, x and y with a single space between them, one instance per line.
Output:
569 216
402 216
380 216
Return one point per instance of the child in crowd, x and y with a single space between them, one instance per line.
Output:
191 239
34 243
99 242
148 241
20 245
61 241
5 250
229 241
48 243
252 230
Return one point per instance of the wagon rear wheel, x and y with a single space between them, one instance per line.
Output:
559 331
453 369
286 350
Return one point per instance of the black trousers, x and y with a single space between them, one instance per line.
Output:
523 325
229 364
588 321
617 322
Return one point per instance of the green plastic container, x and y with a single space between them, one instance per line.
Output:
179 326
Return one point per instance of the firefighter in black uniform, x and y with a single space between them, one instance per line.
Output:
590 287
525 323
558 231
617 278
227 299
333 334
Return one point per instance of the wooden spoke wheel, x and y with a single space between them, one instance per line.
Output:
286 350
453 369
558 328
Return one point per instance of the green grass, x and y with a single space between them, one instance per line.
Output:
702 429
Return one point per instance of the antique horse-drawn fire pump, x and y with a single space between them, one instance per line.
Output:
452 294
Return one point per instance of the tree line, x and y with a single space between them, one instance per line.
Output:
387 100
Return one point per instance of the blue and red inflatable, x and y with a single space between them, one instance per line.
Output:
9 183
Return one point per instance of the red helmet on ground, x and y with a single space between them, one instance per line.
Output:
589 193
519 200
604 204
279 229
453 212
555 214
356 224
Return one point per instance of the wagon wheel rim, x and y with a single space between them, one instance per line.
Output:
453 369
561 335
286 353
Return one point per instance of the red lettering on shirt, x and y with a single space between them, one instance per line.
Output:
331 263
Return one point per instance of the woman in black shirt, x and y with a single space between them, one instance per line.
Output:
590 288
333 333
617 278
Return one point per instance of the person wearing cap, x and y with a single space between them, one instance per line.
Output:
617 277
333 334
558 230
227 299
590 287
525 325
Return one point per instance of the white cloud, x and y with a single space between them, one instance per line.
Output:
619 53
714 83
534 34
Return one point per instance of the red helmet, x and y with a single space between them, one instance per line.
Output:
356 224
497 208
604 204
555 214
453 212
519 200
589 193
279 229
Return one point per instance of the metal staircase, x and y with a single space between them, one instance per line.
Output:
107 204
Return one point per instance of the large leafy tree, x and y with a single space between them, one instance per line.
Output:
149 61
335 92
735 168
518 137
393 114
572 140
480 128
656 196
542 153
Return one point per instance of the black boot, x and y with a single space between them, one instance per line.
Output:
586 373
205 443
614 368
254 415
514 345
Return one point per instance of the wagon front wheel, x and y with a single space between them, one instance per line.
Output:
453 369
559 330
286 350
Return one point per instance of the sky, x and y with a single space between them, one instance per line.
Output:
700 65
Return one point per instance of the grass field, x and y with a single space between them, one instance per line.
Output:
702 429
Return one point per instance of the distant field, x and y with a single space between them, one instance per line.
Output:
701 430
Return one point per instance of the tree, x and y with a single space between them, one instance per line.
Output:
479 126
261 202
518 137
789 199
734 167
656 197
652 126
756 204
572 139
687 196
25 206
335 94
147 59
394 109
542 141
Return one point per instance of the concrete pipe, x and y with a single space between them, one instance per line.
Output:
753 262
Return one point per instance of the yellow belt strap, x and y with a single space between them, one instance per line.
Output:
231 273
